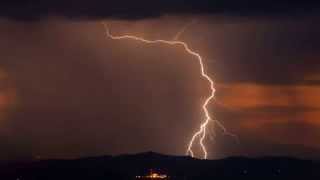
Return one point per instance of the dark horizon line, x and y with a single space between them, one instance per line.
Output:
153 154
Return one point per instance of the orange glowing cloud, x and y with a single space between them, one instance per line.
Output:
308 96
275 112
8 95
245 95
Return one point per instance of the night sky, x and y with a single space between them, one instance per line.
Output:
68 91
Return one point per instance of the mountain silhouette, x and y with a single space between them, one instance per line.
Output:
128 166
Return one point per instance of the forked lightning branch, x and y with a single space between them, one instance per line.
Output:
201 134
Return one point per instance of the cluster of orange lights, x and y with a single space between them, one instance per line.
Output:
153 176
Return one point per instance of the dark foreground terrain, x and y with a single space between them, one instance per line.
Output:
177 167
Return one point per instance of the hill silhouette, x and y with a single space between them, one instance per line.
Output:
177 167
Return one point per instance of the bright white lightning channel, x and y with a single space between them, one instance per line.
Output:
202 132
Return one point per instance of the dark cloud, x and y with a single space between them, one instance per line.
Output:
76 93
75 99
268 51
128 9
257 148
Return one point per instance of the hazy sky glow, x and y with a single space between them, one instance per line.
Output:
68 91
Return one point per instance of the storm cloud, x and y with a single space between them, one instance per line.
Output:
127 9
69 91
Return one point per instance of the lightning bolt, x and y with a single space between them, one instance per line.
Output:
183 29
202 132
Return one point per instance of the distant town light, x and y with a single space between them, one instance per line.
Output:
153 175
